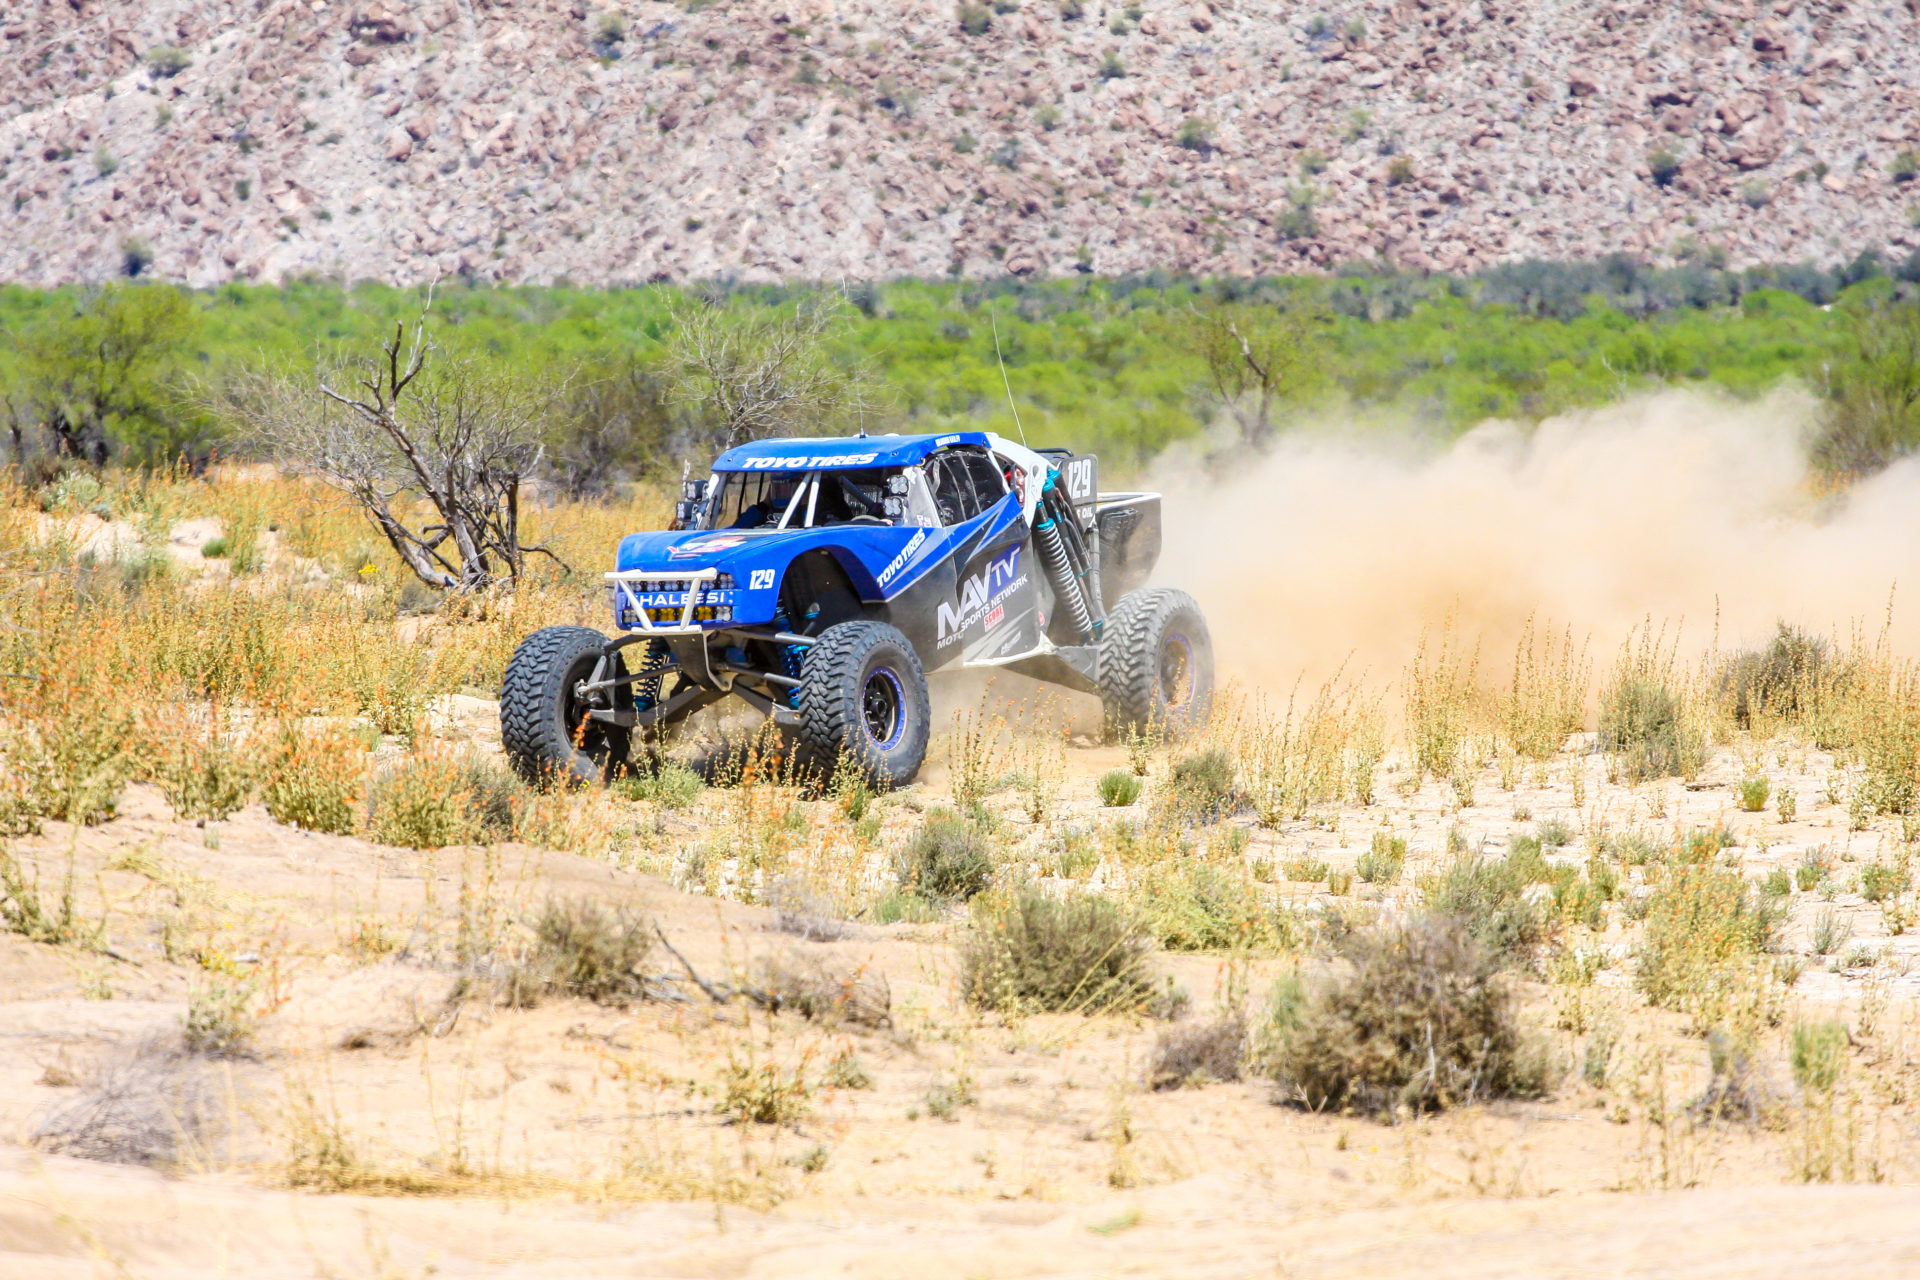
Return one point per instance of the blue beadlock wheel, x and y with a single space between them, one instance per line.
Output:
863 703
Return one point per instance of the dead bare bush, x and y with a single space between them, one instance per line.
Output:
823 992
1195 1053
418 422
156 1106
1419 1020
583 949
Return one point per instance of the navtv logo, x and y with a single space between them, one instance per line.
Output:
980 592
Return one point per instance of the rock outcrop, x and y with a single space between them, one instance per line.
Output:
542 140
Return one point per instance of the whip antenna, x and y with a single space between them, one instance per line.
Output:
994 321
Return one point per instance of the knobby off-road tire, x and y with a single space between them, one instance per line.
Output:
543 727
864 702
1156 664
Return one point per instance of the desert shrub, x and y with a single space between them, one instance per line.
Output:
1830 932
1030 952
974 19
434 798
1780 680
167 61
1553 833
1489 900
1700 920
1202 784
23 910
1778 883
827 993
1419 1020
1382 861
1194 906
1753 794
946 860
1663 164
1439 705
582 948
1874 415
1194 1053
154 1106
312 780
207 777
68 756
800 910
1815 865
1195 134
1399 171
669 784
1880 881
220 1019
1644 721
1817 1053
1118 788
1306 870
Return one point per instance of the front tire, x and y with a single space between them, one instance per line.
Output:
864 701
1156 664
544 727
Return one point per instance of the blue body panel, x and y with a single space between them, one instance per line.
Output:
881 562
830 455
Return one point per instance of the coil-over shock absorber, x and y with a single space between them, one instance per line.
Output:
1058 560
646 683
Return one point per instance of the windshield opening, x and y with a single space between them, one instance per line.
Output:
761 499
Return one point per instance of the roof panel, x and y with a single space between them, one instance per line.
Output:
811 454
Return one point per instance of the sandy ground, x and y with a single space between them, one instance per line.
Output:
577 1139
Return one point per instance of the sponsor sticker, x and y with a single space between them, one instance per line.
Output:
994 618
901 561
807 464
704 547
979 593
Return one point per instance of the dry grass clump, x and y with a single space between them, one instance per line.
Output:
1780 683
1546 697
824 992
1441 705
68 748
1649 720
581 948
1488 898
24 911
1326 751
1201 785
1118 788
155 1106
436 797
1417 1020
946 860
1196 906
1196 1053
1031 952
207 775
1702 921
313 780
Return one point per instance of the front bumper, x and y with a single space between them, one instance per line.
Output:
672 602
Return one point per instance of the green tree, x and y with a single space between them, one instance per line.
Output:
1255 355
1875 415
107 373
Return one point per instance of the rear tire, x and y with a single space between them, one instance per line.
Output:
864 701
1156 664
544 727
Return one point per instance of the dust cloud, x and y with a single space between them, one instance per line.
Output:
1335 549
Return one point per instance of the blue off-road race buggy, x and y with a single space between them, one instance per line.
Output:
820 580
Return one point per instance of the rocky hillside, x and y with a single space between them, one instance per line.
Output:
536 140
